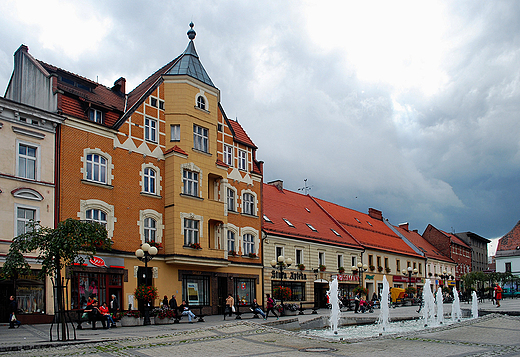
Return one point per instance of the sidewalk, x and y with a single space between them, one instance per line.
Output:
29 337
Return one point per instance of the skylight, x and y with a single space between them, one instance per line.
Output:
369 223
267 219
311 227
288 223
308 210
336 233
358 221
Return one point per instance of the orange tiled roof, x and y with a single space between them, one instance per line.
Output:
454 239
177 150
371 233
240 135
426 247
300 210
511 240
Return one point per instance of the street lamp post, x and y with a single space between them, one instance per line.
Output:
281 264
360 269
145 254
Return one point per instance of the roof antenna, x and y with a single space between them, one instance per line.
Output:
305 188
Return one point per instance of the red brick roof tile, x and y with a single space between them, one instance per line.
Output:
239 134
177 150
511 240
300 210
426 247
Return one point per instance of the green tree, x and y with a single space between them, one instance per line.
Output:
56 249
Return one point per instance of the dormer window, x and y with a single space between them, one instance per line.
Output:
201 102
96 116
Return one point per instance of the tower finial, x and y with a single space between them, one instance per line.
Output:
191 32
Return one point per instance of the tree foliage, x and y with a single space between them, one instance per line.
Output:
56 248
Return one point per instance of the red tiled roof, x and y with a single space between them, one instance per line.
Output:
455 239
221 163
371 233
511 240
300 210
426 247
239 134
176 149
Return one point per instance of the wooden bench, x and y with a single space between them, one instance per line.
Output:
302 308
80 319
245 309
199 317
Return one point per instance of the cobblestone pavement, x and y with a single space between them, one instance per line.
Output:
492 335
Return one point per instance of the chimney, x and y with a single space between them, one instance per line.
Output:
404 226
375 214
119 86
277 183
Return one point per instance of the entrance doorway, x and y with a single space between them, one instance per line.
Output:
222 291
320 294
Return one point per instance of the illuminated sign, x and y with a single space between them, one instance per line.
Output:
97 261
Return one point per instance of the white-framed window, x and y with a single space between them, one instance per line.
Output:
149 180
248 204
191 231
340 260
249 244
228 155
153 102
28 194
96 116
96 215
161 104
299 256
190 181
175 132
99 211
279 252
353 260
200 138
96 168
231 241
150 229
242 159
24 214
150 226
321 258
150 129
231 200
28 160
201 102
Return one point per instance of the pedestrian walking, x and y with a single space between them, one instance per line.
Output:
498 294
230 306
270 306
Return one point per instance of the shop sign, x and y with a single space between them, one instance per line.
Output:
347 277
275 274
97 261
404 279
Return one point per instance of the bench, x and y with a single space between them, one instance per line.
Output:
199 317
244 309
302 308
80 319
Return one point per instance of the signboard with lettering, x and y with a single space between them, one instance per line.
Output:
275 274
347 277
97 261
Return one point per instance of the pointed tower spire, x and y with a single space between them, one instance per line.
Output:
189 63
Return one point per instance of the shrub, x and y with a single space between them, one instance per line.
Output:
361 290
282 293
301 266
129 313
322 267
341 270
195 246
380 269
163 313
145 293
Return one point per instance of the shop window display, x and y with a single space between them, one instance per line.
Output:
245 291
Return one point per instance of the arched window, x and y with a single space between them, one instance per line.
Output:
149 180
201 102
150 229
96 215
96 168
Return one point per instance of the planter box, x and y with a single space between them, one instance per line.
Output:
130 321
165 321
291 313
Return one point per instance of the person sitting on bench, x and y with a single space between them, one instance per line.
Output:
186 310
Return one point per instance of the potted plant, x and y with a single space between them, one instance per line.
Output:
195 246
388 270
232 253
380 269
163 316
290 309
322 267
145 293
361 290
155 244
372 268
129 318
282 293
252 255
341 270
301 266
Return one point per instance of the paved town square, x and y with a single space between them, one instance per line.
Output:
494 334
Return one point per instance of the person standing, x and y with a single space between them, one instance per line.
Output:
270 306
498 294
230 305
173 305
114 305
165 302
13 310
357 300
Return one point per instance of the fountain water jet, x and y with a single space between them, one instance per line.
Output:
440 306
456 313
474 304
384 305
428 304
334 302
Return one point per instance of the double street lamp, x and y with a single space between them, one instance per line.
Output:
281 264
360 269
410 271
145 254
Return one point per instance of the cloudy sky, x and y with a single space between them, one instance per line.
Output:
410 107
